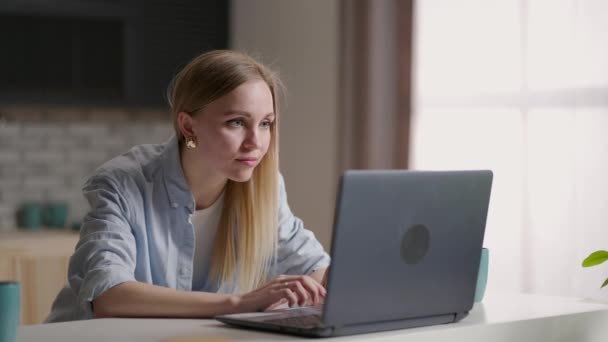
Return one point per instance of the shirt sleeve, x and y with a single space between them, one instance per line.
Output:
105 255
299 252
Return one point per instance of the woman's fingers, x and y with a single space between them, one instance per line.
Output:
282 290
291 297
303 296
307 290
312 286
276 304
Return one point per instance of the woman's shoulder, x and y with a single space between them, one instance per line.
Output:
138 164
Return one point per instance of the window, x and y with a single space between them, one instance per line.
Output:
521 87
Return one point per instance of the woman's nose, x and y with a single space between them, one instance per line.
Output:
252 139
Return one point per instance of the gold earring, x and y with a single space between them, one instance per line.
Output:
191 142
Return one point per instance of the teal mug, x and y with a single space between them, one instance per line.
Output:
55 214
30 216
482 276
10 302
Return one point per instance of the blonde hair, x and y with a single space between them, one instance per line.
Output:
246 240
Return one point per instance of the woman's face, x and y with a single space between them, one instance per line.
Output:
233 132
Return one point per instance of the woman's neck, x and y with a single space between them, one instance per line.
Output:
206 186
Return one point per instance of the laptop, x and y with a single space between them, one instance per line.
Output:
405 253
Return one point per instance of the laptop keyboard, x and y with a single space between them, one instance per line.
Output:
306 321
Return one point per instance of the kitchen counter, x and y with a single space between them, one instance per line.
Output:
39 261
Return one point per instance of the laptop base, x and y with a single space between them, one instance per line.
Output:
346 329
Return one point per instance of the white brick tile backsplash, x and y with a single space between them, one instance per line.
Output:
41 156
22 170
7 169
76 182
23 113
43 130
47 152
8 218
109 142
76 212
148 134
88 129
32 142
68 169
65 141
8 156
108 115
8 195
68 194
28 195
65 114
163 131
7 143
44 183
94 156
150 115
34 169
9 130
10 182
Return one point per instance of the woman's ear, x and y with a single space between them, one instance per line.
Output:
185 124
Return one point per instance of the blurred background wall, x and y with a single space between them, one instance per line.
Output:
299 39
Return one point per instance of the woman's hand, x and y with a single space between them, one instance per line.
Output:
325 274
320 275
293 290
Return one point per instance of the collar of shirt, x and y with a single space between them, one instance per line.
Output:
178 192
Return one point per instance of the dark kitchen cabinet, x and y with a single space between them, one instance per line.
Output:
102 52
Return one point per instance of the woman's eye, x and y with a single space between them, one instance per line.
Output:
266 124
236 123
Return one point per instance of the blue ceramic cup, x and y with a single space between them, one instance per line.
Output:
55 214
482 276
30 216
10 302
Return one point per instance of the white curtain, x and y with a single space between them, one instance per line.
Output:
521 87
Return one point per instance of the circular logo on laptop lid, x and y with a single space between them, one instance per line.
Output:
415 244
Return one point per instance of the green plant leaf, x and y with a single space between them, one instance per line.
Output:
605 283
595 258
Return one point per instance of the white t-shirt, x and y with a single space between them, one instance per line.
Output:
205 223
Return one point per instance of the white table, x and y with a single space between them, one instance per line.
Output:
501 317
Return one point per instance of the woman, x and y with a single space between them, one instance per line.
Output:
198 226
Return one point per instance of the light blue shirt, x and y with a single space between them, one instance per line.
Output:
138 229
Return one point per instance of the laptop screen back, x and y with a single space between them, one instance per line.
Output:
406 244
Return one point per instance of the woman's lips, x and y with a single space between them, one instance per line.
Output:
248 161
